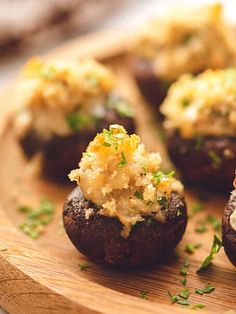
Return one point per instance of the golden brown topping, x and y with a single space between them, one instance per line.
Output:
188 40
117 174
204 105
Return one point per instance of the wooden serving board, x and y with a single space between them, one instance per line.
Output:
43 276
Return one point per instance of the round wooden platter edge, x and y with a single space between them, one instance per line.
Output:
30 279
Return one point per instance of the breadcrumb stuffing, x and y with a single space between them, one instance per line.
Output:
202 105
48 91
124 180
187 40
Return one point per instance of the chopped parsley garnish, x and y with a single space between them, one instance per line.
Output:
162 201
199 142
215 159
92 80
149 221
179 213
183 281
37 219
190 247
201 229
197 306
159 176
138 195
183 302
179 298
123 161
197 207
185 267
216 246
174 298
185 102
78 121
47 73
122 107
216 224
187 38
144 294
208 289
184 294
83 266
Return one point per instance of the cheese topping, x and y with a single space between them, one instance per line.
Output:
48 94
202 105
187 40
119 176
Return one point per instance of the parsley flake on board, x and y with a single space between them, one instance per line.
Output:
216 223
216 246
37 219
185 267
144 294
197 207
190 247
184 294
83 266
208 289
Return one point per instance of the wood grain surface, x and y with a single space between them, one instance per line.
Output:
43 276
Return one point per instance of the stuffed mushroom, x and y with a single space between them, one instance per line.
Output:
59 106
229 227
200 120
187 40
125 211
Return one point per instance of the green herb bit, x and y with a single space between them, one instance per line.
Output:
199 142
200 229
122 107
92 80
183 302
197 207
47 73
216 246
197 306
36 220
187 38
144 294
190 247
216 224
123 161
185 267
159 176
216 160
208 289
174 298
179 213
183 281
24 209
149 221
163 201
185 102
184 294
77 121
138 195
83 266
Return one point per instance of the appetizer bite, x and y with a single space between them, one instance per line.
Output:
229 227
125 211
187 40
60 106
200 120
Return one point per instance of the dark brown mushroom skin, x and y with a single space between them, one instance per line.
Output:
196 162
99 237
228 233
153 88
62 154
